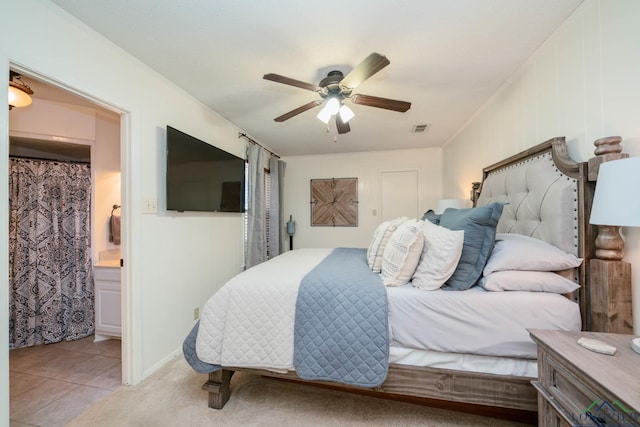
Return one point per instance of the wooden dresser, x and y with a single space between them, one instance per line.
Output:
579 387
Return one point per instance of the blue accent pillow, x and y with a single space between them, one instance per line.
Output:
479 225
431 216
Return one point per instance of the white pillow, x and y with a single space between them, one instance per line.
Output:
519 252
402 253
379 241
534 281
440 256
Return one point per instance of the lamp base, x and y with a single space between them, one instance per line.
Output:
609 243
610 296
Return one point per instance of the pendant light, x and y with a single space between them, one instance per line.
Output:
19 92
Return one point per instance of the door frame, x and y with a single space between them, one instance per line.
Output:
130 375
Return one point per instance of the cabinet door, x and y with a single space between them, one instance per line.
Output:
108 318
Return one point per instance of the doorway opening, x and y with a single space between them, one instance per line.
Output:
69 139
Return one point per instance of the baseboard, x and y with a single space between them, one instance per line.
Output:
156 367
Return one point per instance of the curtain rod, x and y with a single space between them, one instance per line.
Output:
253 141
45 159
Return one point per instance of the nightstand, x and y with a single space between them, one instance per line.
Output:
579 387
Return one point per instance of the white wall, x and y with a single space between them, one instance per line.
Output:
367 168
105 166
582 83
172 262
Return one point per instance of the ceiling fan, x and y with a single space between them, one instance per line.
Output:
336 87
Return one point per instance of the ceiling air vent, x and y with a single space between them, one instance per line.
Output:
420 128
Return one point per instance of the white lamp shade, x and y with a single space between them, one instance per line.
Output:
333 105
346 114
324 115
616 200
450 203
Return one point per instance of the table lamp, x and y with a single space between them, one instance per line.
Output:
291 230
616 204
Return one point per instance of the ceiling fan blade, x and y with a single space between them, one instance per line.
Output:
298 110
367 68
342 126
374 101
291 82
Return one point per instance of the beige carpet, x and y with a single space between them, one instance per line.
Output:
173 397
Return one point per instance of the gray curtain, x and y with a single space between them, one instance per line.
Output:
50 270
276 209
255 249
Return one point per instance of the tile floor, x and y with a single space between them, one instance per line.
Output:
52 384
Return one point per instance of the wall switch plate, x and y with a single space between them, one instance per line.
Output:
196 313
150 206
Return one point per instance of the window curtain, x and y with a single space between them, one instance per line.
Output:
50 270
255 249
276 209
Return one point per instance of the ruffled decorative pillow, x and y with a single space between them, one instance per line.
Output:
402 253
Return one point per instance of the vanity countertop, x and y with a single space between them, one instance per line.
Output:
108 263
108 258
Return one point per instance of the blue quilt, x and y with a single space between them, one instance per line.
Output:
341 327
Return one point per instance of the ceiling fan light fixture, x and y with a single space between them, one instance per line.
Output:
332 105
337 87
19 92
324 116
346 114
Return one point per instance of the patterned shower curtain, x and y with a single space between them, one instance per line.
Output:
50 269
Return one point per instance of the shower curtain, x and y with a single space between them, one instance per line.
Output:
50 269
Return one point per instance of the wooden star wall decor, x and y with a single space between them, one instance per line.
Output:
334 202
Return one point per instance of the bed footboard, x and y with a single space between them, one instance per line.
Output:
498 396
219 388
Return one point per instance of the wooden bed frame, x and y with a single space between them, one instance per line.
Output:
487 394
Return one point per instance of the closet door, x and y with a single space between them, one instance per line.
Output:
399 194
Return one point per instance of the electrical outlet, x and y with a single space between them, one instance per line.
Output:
150 206
196 313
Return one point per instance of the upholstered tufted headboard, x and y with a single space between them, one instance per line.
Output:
548 197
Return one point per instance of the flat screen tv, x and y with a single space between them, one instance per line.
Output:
201 177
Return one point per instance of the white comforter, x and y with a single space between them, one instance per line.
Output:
249 321
476 321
